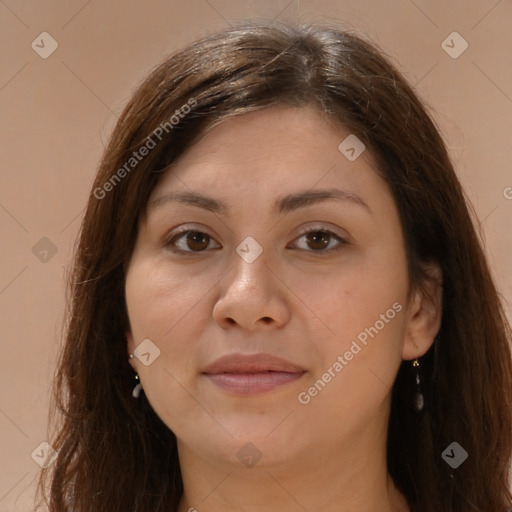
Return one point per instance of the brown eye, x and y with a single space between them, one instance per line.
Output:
197 241
190 241
318 240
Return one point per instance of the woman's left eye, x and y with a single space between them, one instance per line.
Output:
318 239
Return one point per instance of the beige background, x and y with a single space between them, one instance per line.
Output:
56 114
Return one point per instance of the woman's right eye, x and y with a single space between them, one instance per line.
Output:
196 241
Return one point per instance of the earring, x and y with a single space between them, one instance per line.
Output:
138 386
419 400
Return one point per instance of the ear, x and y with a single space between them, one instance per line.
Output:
424 314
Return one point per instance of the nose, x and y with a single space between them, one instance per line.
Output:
252 296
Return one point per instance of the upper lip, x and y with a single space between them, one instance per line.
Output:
251 363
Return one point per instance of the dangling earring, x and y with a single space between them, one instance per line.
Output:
138 386
419 400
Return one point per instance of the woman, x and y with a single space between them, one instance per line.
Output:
279 300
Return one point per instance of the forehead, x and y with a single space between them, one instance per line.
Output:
278 132
266 154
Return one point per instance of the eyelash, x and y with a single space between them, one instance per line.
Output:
342 243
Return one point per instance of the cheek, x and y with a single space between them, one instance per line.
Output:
365 287
157 298
165 307
364 312
357 367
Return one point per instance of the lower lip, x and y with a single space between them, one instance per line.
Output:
252 383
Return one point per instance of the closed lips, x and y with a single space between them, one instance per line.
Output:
253 363
252 375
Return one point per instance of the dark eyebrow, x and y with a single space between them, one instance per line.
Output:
282 205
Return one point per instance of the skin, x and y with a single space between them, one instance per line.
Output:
292 301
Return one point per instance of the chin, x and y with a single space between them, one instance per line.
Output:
249 446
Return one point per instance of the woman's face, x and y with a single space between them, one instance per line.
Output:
208 281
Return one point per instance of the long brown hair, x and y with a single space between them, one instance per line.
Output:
114 453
